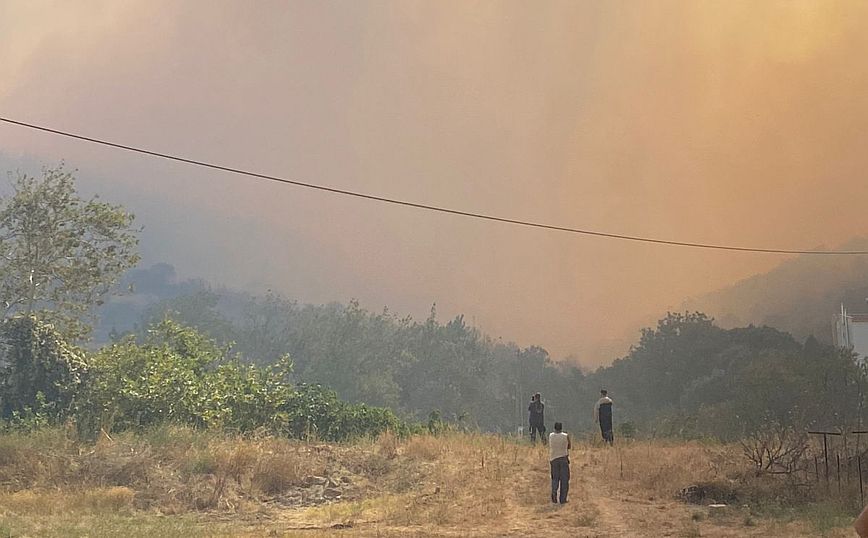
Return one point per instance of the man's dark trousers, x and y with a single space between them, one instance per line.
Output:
537 428
560 478
606 422
609 435
606 430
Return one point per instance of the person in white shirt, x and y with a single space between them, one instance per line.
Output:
559 458
603 416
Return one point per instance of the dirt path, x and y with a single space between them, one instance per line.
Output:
522 508
611 518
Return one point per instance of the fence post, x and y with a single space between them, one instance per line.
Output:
826 457
816 468
849 468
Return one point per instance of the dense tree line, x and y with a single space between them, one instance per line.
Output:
690 377
415 367
687 376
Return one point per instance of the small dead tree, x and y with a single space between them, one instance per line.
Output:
776 449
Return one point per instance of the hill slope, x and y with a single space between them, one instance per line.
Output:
800 296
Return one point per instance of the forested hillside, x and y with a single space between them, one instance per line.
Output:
800 296
686 377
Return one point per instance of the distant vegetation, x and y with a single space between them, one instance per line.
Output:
187 353
689 377
686 377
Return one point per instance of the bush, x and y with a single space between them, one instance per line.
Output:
176 376
179 376
40 374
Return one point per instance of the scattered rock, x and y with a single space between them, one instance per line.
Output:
709 493
331 493
316 481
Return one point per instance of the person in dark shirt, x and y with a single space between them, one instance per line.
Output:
603 416
536 410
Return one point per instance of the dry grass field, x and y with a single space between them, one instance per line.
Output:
179 482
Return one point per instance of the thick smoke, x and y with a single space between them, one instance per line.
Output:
725 122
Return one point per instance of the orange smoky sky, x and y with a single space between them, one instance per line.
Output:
722 122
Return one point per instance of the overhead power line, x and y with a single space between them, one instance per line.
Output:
427 207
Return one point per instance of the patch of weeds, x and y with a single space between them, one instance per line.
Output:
372 465
277 473
202 462
825 517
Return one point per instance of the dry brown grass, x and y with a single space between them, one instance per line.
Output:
97 500
425 448
184 482
663 468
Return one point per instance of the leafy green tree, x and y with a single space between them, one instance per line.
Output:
39 372
135 385
59 253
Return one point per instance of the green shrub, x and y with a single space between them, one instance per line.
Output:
179 376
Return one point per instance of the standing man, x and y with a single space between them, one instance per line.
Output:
603 416
536 411
559 458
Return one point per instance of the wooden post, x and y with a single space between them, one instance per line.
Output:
826 457
849 466
621 461
838 462
816 468
861 491
825 435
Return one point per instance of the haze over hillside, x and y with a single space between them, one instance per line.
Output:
721 122
800 296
